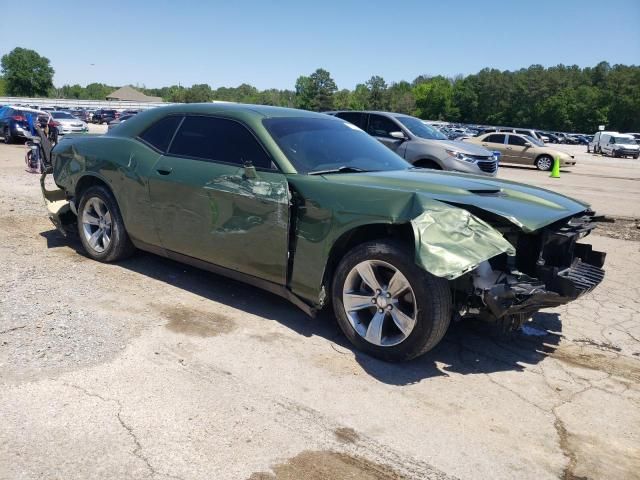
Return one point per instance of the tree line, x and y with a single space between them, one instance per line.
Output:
560 98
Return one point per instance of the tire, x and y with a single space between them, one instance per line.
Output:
635 157
422 307
544 163
7 136
430 164
114 243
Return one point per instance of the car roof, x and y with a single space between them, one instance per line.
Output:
377 112
26 109
266 111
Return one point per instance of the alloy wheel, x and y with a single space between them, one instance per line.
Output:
97 224
544 163
379 303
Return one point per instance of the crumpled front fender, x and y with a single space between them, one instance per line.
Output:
58 207
451 241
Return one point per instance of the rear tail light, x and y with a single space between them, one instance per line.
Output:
19 118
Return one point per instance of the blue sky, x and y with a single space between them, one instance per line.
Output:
269 44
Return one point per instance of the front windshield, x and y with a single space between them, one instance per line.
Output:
625 140
318 144
62 115
535 141
421 129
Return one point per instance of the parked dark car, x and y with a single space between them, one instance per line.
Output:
310 207
80 115
553 138
123 118
104 115
14 123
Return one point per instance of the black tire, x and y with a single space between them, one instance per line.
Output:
7 136
540 164
432 298
430 164
635 157
120 246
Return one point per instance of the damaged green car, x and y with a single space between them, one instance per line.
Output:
310 207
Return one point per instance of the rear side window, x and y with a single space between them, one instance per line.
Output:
352 117
159 134
495 138
380 126
514 140
218 140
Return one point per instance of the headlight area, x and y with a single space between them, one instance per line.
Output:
550 268
461 156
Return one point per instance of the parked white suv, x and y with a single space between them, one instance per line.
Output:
619 145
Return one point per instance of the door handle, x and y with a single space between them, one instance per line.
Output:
485 145
164 171
509 148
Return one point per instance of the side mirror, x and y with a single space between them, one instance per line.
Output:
250 171
398 135
527 144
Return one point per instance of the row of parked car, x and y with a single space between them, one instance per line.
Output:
457 131
427 147
14 120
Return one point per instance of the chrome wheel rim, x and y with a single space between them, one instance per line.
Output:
544 163
379 303
96 224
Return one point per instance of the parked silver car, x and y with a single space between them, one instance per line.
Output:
422 145
67 123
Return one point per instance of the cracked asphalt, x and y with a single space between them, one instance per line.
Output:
149 369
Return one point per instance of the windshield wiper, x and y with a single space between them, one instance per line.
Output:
343 169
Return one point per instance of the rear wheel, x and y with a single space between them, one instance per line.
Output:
544 162
386 305
101 227
6 135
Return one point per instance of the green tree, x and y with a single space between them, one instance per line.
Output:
359 98
434 99
26 73
401 98
378 98
3 86
316 91
201 93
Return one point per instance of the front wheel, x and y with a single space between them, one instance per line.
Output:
544 163
101 227
386 305
7 136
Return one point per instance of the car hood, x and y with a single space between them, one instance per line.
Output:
68 121
466 148
527 207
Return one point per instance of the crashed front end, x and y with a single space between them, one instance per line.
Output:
549 268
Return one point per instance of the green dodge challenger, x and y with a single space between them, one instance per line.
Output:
310 207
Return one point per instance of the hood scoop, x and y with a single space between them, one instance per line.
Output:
487 192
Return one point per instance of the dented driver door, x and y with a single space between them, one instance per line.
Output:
225 214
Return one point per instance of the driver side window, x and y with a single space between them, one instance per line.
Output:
515 140
380 126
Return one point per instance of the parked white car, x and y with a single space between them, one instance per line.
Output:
67 123
619 145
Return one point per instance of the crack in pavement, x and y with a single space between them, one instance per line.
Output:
9 330
137 451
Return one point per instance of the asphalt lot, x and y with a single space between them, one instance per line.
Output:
150 369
